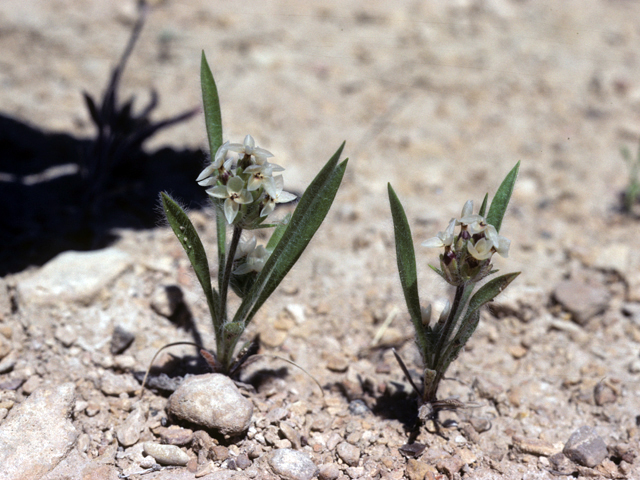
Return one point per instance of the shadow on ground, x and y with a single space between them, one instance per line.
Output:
44 193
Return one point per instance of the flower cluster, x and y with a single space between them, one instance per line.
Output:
467 256
244 183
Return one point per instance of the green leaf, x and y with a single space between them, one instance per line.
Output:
276 236
186 233
406 259
483 207
211 102
309 214
490 290
501 200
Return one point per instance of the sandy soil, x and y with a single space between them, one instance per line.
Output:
439 98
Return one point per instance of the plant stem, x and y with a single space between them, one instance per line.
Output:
224 287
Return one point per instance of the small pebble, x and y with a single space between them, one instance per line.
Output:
534 446
175 435
417 470
585 447
358 407
166 454
350 454
242 461
292 465
582 300
31 384
329 471
129 432
213 401
602 394
290 434
66 335
121 339
112 384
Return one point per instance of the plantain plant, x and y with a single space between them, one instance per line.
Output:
464 263
244 191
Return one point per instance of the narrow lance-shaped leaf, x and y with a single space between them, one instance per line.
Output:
186 233
276 236
406 259
483 207
490 290
309 214
211 102
501 200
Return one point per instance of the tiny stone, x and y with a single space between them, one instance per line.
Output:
242 461
93 408
112 384
120 340
334 439
175 435
147 462
337 363
129 432
66 335
450 465
272 337
30 385
358 407
585 447
602 394
350 454
582 300
416 470
534 446
290 434
297 312
329 471
561 464
5 347
220 453
8 362
166 454
292 465
480 424
517 351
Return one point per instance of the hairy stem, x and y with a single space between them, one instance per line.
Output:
224 289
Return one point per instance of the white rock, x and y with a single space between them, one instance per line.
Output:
38 433
166 454
292 465
213 401
73 277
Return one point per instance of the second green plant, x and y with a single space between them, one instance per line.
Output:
244 190
464 263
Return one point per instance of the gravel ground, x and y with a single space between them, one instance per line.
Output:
439 98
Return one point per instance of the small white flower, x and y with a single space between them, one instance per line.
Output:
209 176
442 239
259 175
500 244
255 261
248 147
482 249
275 195
467 217
234 194
245 247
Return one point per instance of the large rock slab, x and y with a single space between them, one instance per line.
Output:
38 433
73 277
213 401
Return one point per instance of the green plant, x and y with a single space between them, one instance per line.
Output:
465 262
630 195
244 191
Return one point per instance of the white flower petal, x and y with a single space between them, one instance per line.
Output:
467 209
219 191
285 197
433 242
230 210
